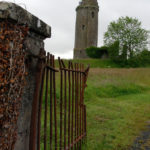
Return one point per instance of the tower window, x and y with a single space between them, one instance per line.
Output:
92 14
83 27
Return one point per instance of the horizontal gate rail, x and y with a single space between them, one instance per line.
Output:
59 113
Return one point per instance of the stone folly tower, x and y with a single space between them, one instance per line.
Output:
86 33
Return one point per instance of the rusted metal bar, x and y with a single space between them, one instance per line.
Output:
61 101
80 102
76 141
86 75
51 105
69 102
66 69
40 109
51 68
46 99
75 105
85 118
55 104
34 117
65 105
83 86
72 122
63 66
84 107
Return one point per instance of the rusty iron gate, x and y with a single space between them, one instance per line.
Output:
58 115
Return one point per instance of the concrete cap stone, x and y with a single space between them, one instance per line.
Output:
21 16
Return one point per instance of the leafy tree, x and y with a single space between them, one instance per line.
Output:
131 36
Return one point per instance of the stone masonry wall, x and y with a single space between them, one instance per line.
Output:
33 44
38 31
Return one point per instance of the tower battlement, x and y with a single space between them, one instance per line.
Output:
88 3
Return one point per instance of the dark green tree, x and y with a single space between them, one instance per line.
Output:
131 36
114 51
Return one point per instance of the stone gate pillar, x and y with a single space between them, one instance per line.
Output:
38 31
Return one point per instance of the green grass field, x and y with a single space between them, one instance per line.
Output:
118 105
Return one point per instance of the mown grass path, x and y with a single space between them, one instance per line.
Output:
143 141
118 107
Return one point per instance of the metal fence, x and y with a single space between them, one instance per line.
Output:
59 114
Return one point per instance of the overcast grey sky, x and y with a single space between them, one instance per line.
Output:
61 16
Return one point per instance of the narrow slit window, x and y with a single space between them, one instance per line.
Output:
83 27
93 15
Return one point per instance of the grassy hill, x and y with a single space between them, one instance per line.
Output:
94 63
104 63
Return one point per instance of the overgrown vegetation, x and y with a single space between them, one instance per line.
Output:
12 80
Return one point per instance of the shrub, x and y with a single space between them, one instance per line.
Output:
144 57
97 52
140 60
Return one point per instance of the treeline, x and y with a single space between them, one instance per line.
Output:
125 43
